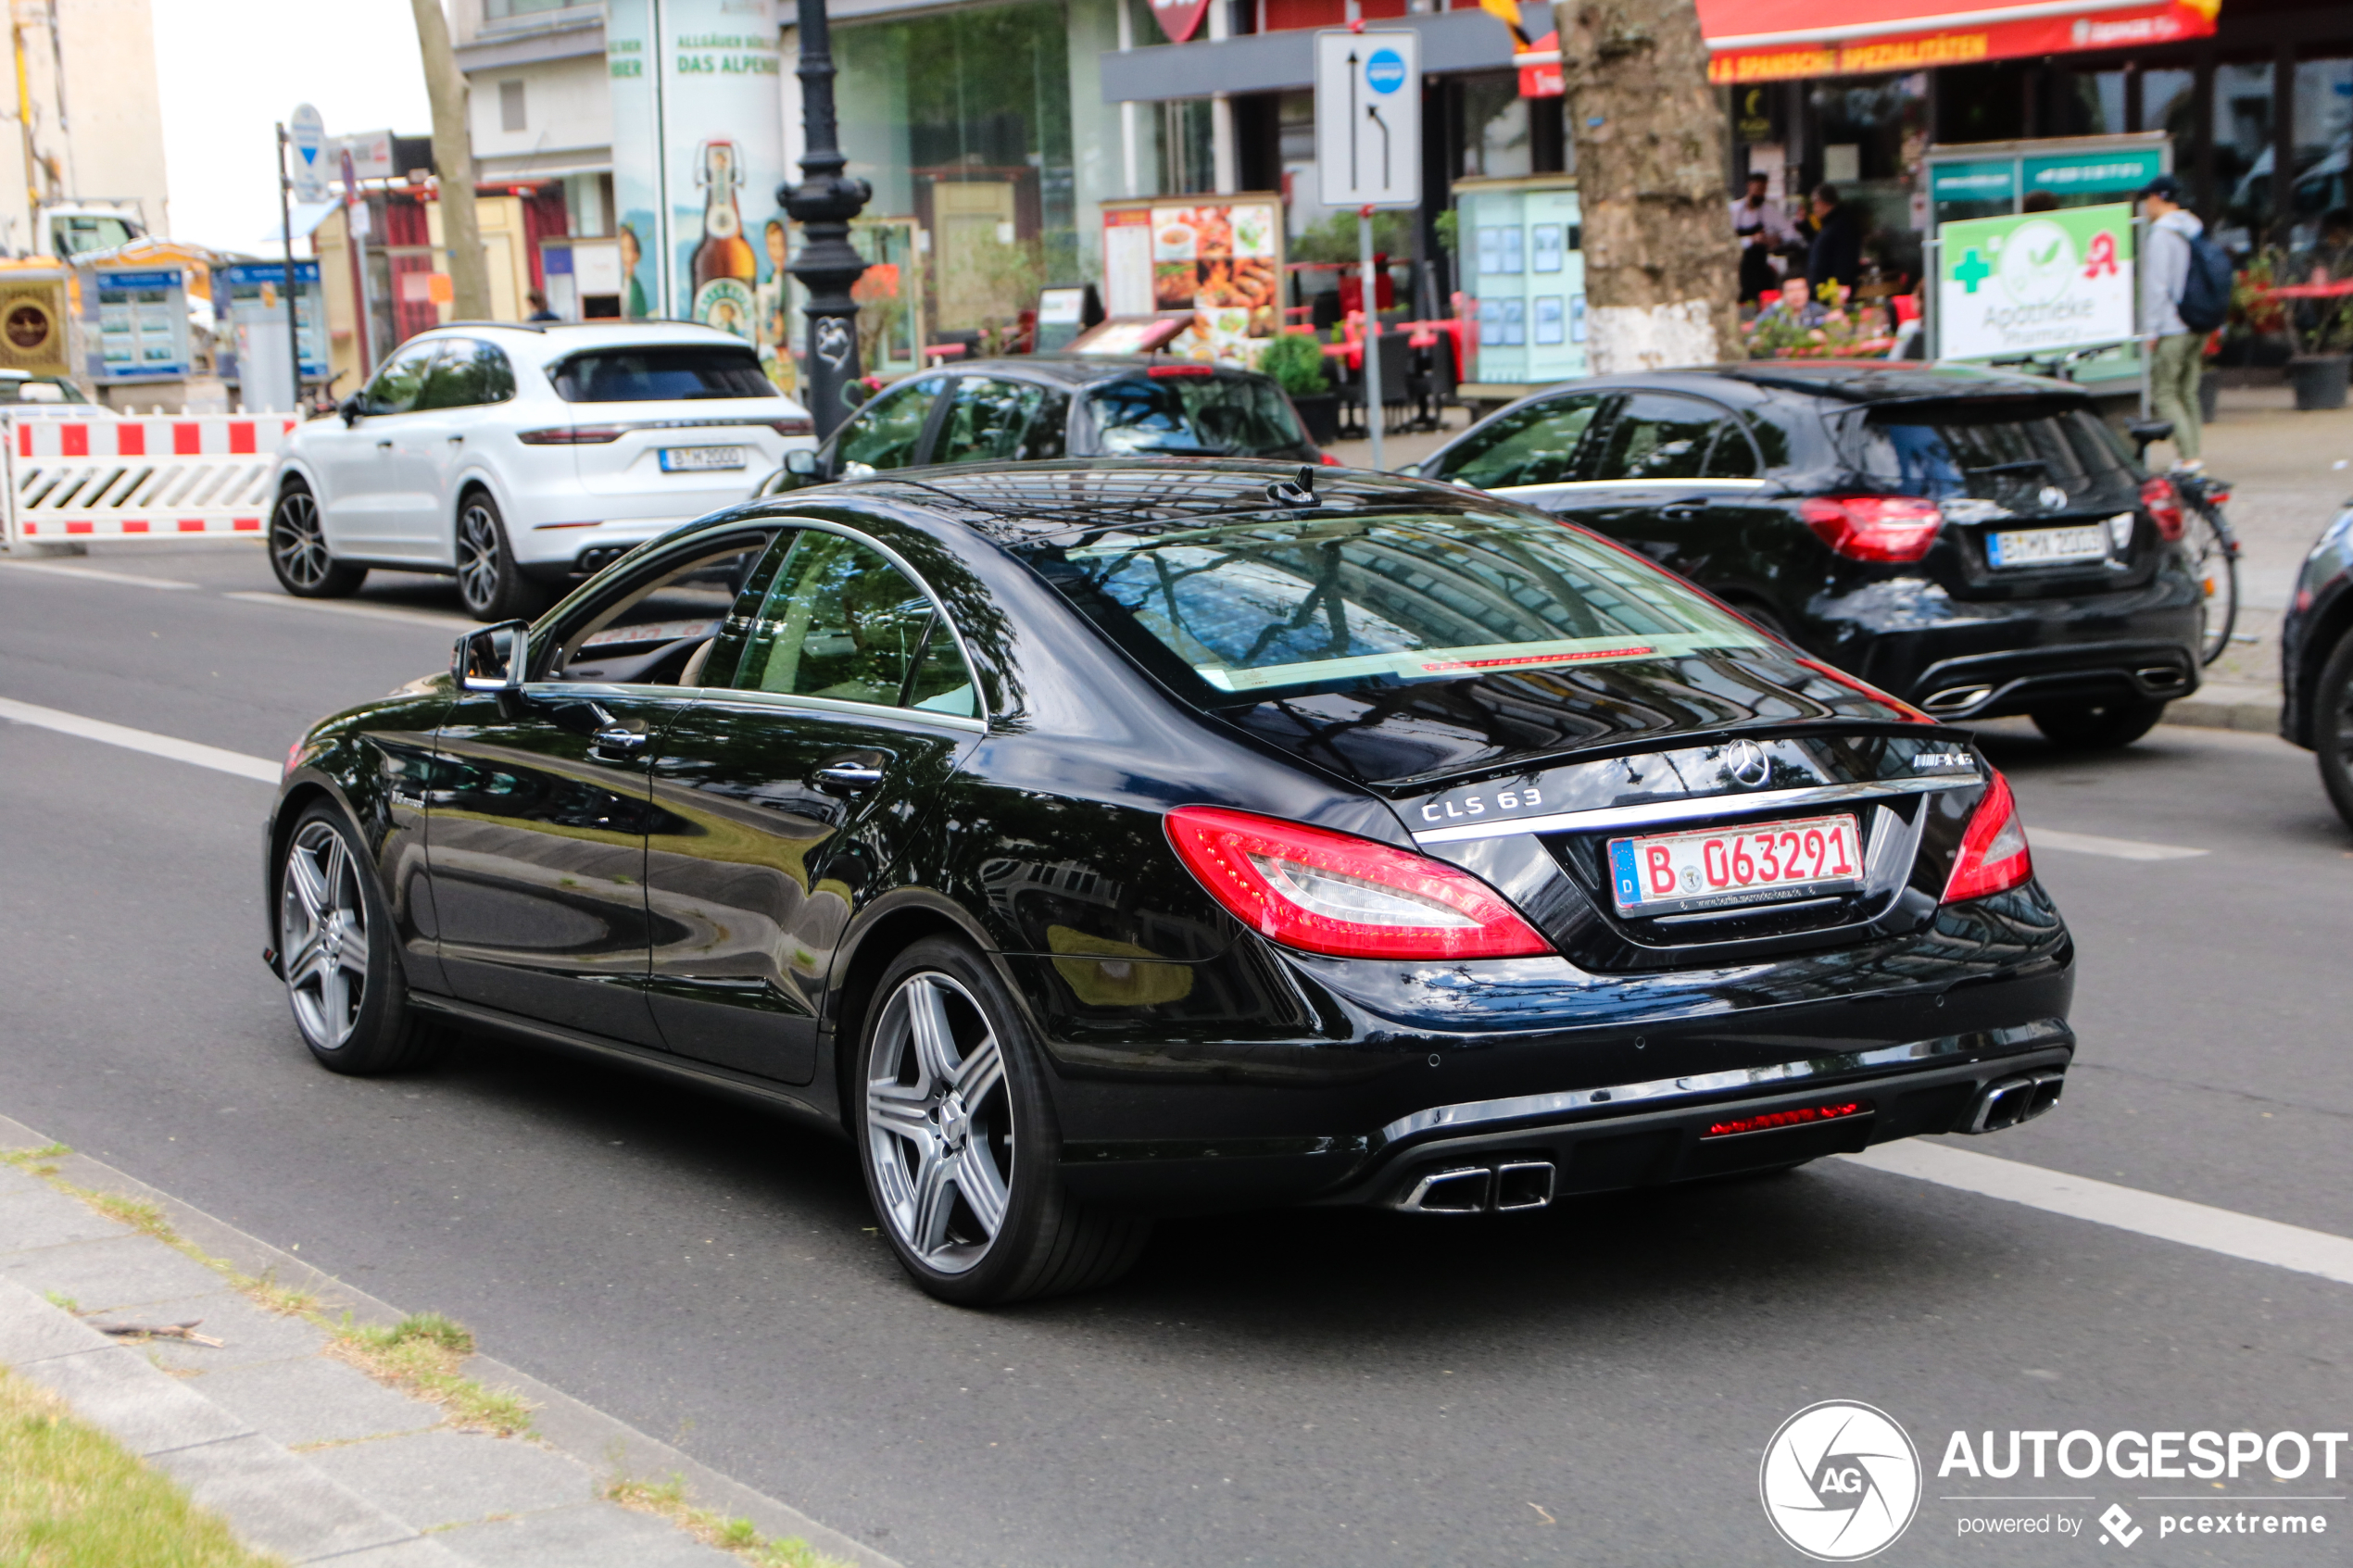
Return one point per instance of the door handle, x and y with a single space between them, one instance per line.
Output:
384 445
619 738
456 440
850 775
1682 508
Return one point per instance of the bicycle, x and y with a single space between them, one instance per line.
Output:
2207 539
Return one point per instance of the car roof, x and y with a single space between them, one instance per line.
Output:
1083 370
569 335
1845 381
1020 503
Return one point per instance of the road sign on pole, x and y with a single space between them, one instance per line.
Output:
1369 118
306 141
1368 154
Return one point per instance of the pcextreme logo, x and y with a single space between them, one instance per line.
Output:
1840 1480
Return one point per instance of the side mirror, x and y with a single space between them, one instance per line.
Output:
2147 431
492 659
802 464
350 409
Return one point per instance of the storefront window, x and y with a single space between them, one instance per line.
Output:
2090 103
2243 133
1495 141
1872 133
1188 148
2323 142
961 120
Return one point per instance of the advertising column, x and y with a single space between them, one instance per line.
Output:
698 155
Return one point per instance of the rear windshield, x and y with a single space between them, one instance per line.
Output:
665 373
1196 417
1284 605
2002 452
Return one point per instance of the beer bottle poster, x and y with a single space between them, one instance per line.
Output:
698 155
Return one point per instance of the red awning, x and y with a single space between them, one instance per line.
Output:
1775 39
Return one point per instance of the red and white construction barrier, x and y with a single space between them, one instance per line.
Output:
112 479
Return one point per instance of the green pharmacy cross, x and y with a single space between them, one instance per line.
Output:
1972 271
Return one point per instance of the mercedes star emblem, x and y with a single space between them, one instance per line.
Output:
1745 761
2052 497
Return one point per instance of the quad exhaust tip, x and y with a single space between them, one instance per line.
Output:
2013 1100
1509 1187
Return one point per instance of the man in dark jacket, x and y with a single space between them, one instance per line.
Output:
1837 252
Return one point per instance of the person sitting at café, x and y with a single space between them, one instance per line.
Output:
1796 307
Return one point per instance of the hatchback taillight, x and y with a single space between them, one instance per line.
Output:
1166 370
1351 897
1994 856
1890 528
792 427
2164 506
569 435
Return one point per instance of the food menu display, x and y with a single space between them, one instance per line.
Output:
1523 265
142 324
1221 260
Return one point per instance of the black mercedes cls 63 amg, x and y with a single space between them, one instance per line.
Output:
1977 542
1097 839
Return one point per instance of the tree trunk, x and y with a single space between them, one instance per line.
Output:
1662 283
453 157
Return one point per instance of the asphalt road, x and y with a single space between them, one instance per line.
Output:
1593 1386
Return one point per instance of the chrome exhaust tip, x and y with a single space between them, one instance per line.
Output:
2163 677
1524 1184
1461 1191
1951 699
2013 1100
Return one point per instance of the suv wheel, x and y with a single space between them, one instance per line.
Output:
492 586
957 1141
2333 726
298 550
2102 728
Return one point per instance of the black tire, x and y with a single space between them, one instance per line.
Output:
298 549
919 1141
2103 728
2332 727
328 911
492 586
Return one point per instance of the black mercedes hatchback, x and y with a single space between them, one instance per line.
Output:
1975 542
1093 840
1042 407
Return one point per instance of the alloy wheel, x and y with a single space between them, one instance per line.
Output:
939 1123
296 543
322 929
479 557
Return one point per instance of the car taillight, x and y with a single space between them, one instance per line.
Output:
792 427
1894 528
572 435
1334 893
2164 506
1994 856
1182 371
1328 460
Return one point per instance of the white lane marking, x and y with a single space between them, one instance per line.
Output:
2114 849
95 574
373 612
2127 1208
257 768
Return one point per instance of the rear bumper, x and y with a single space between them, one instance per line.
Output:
1974 658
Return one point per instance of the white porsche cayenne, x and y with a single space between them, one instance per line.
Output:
519 458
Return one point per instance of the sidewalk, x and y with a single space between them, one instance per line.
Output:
302 1452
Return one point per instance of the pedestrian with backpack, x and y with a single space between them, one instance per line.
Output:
2185 294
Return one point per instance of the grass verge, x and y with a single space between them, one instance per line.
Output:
419 1354
668 1499
70 1497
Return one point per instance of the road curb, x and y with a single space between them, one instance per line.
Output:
2219 706
604 1445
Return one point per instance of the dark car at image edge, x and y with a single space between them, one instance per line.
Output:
2316 659
1976 542
1094 840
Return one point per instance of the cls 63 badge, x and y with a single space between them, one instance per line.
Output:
1457 808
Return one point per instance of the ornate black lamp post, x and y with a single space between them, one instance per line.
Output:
823 203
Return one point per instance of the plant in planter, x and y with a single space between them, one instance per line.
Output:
1295 361
2320 332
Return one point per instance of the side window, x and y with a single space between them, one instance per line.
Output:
1537 445
468 376
1732 455
840 622
395 387
994 421
662 628
1658 437
883 434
